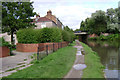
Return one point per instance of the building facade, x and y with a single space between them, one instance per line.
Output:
47 21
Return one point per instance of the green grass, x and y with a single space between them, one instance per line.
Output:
55 65
94 67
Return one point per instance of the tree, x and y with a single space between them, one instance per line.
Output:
82 26
112 20
16 15
96 23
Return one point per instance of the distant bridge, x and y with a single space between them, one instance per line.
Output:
82 36
80 33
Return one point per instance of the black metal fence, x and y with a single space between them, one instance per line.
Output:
46 49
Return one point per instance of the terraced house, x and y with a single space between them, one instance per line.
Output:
47 21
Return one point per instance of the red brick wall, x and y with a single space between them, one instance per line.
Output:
27 47
4 51
34 47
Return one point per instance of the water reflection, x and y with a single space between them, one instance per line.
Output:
109 56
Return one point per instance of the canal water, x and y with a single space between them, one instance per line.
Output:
109 53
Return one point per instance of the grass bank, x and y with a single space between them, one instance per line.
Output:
55 65
94 67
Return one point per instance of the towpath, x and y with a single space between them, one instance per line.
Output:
79 65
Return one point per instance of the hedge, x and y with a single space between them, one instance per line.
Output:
39 35
27 36
66 36
43 35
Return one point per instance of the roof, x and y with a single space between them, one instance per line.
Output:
41 19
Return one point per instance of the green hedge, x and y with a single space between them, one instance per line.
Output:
3 42
39 35
66 36
44 35
50 35
27 36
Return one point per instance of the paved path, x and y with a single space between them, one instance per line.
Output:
76 71
17 60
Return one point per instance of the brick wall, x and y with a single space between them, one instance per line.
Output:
4 51
34 47
27 47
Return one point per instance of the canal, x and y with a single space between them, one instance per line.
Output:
109 53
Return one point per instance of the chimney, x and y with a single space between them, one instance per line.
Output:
49 13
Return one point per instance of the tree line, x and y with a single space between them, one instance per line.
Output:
102 22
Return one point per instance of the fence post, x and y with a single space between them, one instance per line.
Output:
61 44
47 49
38 54
53 47
58 45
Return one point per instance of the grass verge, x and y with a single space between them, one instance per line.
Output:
55 65
94 67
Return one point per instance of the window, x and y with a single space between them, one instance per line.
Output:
43 24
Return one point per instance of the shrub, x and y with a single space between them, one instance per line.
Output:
50 35
102 37
56 34
72 36
27 36
93 38
39 35
3 42
66 36
110 37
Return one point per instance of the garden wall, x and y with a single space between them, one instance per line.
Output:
4 51
34 47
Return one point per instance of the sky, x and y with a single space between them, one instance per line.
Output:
72 12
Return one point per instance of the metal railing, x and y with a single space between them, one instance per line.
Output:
46 49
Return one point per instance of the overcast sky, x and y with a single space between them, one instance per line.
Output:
72 12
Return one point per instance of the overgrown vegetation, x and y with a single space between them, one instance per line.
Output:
44 35
94 67
55 65
111 37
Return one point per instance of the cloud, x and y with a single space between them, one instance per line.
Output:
72 12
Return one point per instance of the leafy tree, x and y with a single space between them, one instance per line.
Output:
100 25
83 26
96 23
16 15
112 20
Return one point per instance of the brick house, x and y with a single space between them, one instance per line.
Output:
47 21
